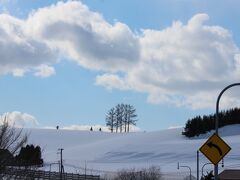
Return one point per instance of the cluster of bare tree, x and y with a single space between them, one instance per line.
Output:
151 173
121 117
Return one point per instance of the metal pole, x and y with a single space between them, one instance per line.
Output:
197 165
85 170
190 174
188 168
61 163
217 119
59 167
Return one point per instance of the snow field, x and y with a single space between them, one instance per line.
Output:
100 152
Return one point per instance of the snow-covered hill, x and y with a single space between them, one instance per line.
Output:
102 152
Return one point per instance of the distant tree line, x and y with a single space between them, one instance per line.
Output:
202 124
121 117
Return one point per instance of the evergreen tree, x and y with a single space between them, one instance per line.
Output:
200 125
30 155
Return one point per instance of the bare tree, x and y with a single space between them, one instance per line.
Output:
121 117
11 140
151 173
131 117
118 114
110 119
125 117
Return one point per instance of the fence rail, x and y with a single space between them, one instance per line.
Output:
20 174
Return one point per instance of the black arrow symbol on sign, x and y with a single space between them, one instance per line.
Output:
211 144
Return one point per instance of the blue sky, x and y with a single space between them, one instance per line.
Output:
167 58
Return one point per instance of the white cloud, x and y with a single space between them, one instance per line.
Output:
67 29
85 36
45 71
18 72
175 127
20 52
112 81
183 64
19 119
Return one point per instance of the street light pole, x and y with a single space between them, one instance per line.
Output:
217 119
188 168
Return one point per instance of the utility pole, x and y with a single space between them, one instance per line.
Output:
61 164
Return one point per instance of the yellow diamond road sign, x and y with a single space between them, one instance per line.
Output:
215 149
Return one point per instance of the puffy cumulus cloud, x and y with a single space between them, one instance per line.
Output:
67 29
194 52
19 51
19 119
85 36
184 64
